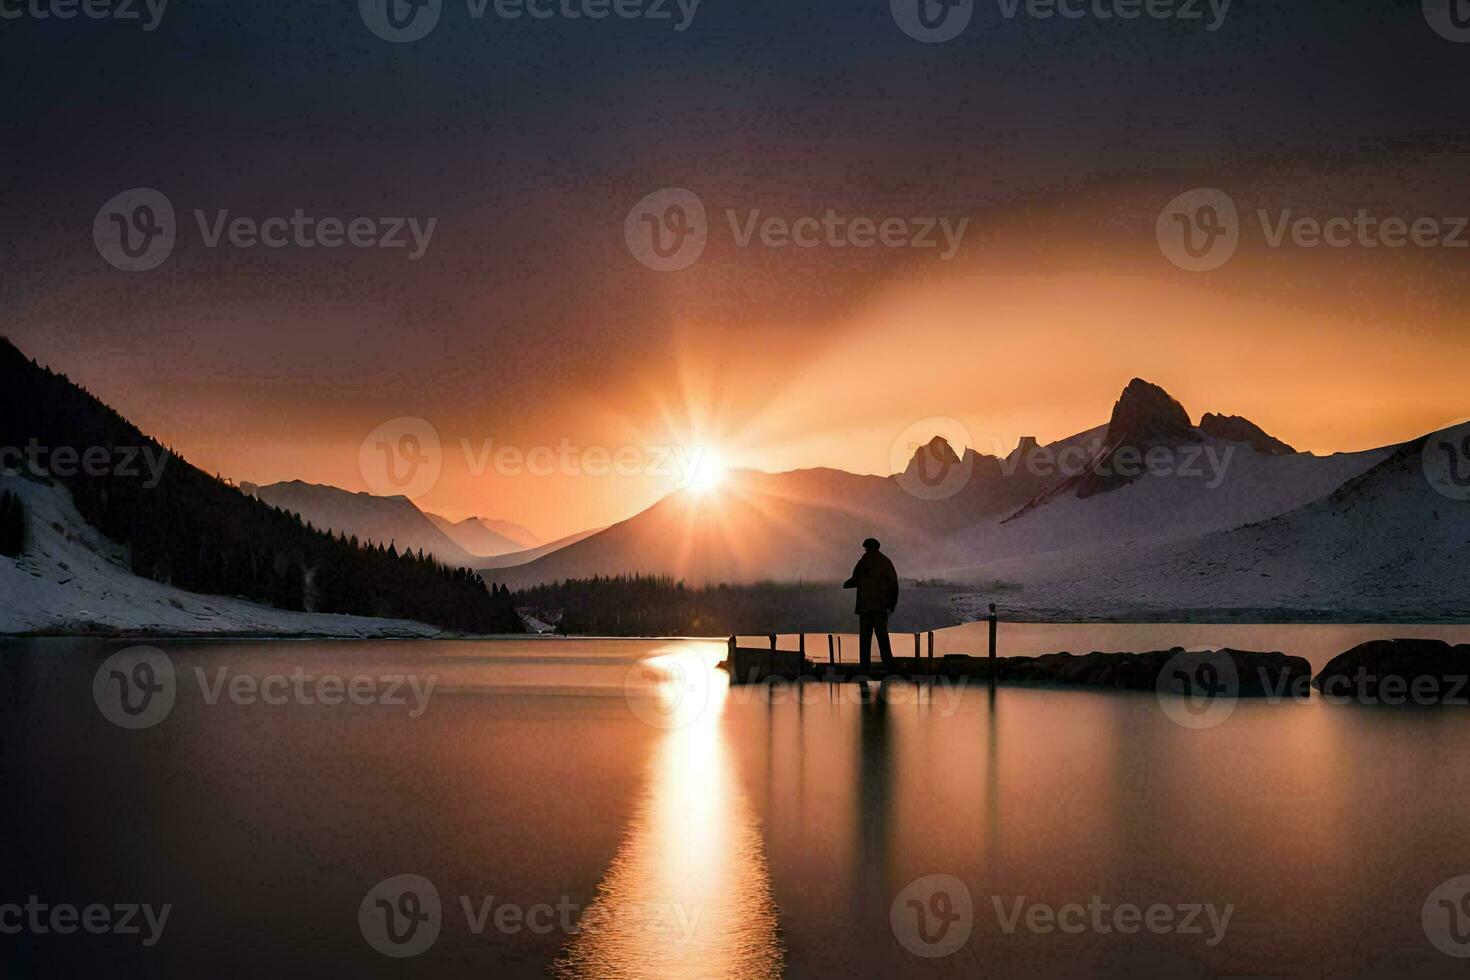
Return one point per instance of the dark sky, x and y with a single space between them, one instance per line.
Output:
530 140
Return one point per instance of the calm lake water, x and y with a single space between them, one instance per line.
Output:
610 808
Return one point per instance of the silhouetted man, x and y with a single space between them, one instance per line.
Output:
877 596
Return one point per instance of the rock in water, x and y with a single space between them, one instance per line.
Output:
1407 671
1238 673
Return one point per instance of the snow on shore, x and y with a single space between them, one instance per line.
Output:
73 580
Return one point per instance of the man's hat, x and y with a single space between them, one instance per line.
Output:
872 544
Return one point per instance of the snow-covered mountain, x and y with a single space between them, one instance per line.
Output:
1151 476
1111 494
1386 543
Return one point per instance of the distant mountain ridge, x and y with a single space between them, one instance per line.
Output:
521 537
514 558
381 520
397 520
479 535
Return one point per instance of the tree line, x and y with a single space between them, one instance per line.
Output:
660 605
12 525
199 532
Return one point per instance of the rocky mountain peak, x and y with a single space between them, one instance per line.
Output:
1237 429
937 452
1025 447
1146 414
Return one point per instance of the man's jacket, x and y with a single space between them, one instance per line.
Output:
876 583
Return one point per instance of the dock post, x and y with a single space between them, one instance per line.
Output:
992 644
931 644
730 654
771 660
916 652
801 648
830 658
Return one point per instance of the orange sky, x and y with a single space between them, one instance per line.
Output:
1034 330
1005 356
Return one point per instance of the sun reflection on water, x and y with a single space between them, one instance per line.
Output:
688 893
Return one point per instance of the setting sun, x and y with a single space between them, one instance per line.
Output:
707 472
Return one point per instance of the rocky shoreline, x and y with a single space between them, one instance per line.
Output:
1392 672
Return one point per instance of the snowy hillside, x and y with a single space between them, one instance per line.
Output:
1386 544
72 579
1229 484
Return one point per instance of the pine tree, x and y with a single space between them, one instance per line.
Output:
12 525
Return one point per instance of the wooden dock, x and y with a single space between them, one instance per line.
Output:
757 665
